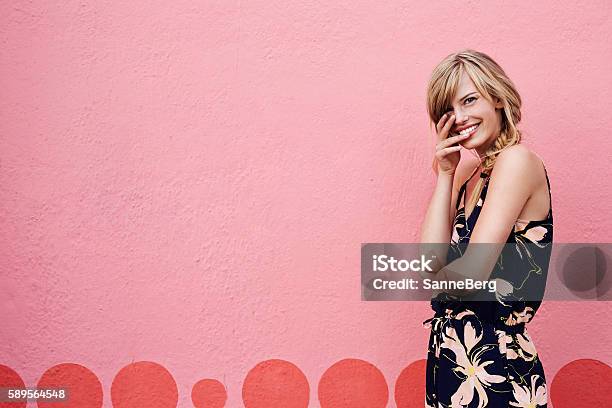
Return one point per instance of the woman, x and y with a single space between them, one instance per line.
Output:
480 354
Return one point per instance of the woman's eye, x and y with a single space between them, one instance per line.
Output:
471 97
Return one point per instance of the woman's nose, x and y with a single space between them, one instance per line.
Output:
460 117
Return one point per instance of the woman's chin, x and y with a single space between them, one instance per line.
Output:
466 144
469 143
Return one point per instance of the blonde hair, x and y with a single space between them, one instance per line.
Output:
492 82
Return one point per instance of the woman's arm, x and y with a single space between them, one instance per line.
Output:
436 227
435 230
510 187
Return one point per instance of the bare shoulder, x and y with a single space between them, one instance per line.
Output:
519 154
524 163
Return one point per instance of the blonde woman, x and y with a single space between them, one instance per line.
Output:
480 354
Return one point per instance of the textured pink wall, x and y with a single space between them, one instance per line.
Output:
189 183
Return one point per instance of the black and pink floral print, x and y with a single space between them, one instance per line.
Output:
480 353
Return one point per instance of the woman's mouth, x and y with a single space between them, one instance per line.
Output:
468 131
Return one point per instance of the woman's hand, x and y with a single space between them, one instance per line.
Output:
447 152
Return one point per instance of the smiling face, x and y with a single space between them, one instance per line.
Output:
477 115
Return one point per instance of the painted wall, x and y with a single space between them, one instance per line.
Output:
187 185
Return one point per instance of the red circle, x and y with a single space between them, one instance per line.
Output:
144 384
9 378
275 383
410 386
84 388
581 384
208 393
353 383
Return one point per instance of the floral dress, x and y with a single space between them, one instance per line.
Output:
479 353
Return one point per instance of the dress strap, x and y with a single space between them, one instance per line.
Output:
548 184
549 194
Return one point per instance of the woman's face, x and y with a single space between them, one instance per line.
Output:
473 109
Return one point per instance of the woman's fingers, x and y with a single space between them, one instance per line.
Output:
445 125
450 141
443 152
447 150
441 122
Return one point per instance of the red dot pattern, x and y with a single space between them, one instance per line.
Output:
353 383
581 384
410 386
144 384
84 388
9 378
208 393
277 383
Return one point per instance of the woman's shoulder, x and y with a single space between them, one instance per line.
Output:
521 157
525 163
520 154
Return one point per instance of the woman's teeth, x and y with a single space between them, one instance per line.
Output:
468 130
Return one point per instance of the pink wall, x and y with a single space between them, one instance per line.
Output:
189 184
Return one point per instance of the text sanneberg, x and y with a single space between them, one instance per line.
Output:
384 263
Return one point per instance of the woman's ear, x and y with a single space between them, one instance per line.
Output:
498 103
